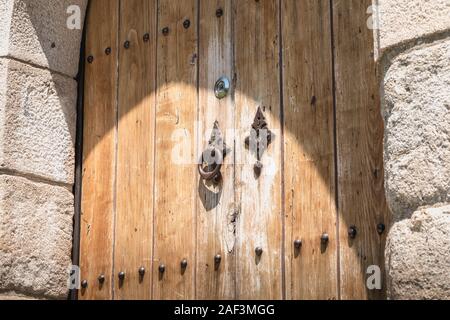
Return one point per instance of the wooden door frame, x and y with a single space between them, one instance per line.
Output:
73 295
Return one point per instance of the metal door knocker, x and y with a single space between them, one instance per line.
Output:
212 158
259 140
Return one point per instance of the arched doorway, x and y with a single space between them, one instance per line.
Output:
300 218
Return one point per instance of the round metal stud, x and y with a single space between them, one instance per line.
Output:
141 271
325 238
90 59
352 232
184 264
146 37
162 268
126 45
121 275
84 284
165 31
218 259
259 251
101 279
381 228
298 244
222 87
108 51
186 24
219 12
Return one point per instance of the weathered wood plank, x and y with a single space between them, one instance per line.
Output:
216 206
176 176
311 271
135 149
99 150
256 34
360 148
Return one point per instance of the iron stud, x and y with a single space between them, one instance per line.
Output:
108 51
325 238
101 279
165 31
259 251
146 37
219 12
121 275
186 24
352 232
381 228
184 264
162 268
126 45
142 272
298 244
90 59
84 284
218 259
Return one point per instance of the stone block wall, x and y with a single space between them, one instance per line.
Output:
414 59
39 58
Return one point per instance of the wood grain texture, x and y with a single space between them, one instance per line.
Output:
259 224
100 106
311 271
216 206
176 176
134 216
360 148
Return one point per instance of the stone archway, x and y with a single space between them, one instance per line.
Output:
38 64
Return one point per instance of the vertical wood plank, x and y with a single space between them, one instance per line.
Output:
311 271
360 148
256 27
100 107
216 207
176 177
134 217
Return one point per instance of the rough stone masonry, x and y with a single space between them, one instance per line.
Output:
39 61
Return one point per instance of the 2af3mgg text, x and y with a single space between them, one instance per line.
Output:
227 310
246 310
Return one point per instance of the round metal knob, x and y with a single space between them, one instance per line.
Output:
259 251
126 44
298 244
84 284
121 276
186 24
101 279
90 59
218 259
162 268
352 232
141 271
325 238
184 264
222 87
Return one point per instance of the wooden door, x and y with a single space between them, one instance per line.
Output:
302 152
